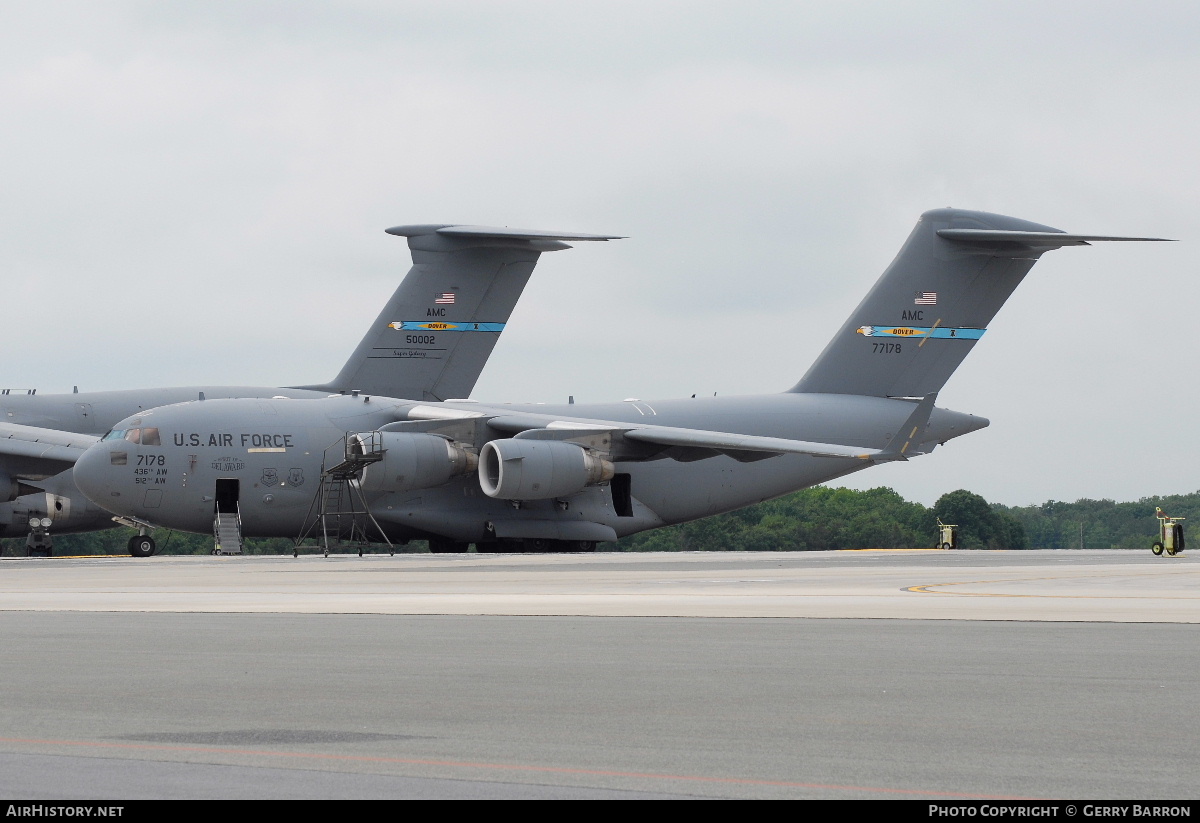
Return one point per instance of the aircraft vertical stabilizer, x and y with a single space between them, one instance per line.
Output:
433 338
933 303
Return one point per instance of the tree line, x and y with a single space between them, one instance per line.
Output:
824 519
816 519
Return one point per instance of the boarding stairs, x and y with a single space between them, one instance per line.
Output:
227 532
339 516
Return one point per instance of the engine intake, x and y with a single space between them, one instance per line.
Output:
412 461
518 469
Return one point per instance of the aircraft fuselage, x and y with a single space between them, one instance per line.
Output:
270 454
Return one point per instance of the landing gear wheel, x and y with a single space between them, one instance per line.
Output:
1156 548
585 545
539 545
141 545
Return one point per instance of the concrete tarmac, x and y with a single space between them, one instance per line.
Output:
917 674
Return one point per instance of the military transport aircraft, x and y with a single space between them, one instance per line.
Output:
555 478
464 284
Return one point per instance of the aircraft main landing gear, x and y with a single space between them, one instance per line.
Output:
39 541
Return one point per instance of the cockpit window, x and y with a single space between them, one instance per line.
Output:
115 434
150 437
134 435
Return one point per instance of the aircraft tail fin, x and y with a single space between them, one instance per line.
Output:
434 336
933 303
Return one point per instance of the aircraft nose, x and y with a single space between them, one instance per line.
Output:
94 474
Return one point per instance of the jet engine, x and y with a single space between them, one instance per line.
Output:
411 461
538 469
11 489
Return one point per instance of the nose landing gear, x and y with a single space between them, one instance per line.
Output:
142 545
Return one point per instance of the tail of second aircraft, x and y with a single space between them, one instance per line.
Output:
933 303
434 336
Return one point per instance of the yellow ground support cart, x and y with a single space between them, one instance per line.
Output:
947 536
1170 534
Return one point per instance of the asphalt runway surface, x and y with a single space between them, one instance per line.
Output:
918 675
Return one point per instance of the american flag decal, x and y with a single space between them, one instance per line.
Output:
925 298
446 297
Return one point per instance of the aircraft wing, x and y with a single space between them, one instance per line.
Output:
726 441
32 453
625 441
732 444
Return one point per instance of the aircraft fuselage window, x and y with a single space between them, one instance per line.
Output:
134 435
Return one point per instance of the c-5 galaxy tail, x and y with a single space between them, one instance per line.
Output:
434 336
933 303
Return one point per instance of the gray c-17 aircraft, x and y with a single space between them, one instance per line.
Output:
464 283
564 478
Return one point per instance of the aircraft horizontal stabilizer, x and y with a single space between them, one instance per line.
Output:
1048 239
451 230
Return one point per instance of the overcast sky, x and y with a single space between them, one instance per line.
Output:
197 192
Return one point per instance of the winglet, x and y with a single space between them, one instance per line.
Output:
897 447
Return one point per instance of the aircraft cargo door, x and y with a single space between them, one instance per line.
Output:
227 495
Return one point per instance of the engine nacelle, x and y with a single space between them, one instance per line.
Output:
413 461
521 469
9 489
